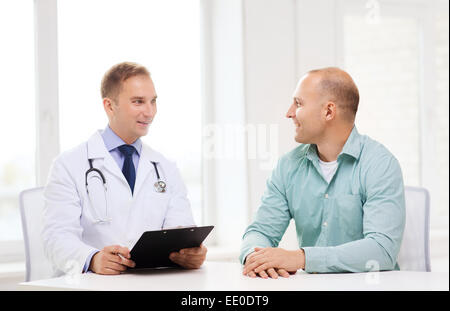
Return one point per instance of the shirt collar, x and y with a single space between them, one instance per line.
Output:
112 140
352 147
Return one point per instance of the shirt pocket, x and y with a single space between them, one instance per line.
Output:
350 215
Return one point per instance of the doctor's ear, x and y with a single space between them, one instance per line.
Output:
108 104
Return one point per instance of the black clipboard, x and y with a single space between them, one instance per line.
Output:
153 247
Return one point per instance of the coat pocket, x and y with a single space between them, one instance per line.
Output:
156 205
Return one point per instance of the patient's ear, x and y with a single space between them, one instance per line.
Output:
330 112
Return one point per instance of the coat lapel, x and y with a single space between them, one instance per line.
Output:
146 168
102 158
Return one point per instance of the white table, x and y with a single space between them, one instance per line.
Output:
227 276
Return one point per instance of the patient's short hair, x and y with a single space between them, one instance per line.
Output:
113 78
339 87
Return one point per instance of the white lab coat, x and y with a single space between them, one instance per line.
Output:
71 231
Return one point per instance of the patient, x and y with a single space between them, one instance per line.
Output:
343 189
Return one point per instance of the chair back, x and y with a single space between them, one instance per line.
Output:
31 211
414 252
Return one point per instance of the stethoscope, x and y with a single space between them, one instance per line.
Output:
159 185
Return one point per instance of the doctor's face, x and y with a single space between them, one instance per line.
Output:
307 111
131 114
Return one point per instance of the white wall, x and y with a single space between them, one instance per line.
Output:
224 178
269 77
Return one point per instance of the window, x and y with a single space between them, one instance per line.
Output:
164 36
387 47
383 59
17 120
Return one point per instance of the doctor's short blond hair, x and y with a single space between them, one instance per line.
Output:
113 78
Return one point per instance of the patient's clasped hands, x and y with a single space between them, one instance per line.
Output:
272 262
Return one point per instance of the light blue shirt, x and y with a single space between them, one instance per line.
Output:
354 223
112 142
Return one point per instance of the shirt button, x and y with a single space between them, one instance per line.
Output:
326 195
325 224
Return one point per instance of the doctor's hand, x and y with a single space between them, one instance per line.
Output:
111 260
272 262
189 258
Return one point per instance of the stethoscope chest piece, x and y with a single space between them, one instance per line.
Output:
160 186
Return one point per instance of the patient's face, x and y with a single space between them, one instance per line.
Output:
306 111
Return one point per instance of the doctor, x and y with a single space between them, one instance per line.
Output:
103 194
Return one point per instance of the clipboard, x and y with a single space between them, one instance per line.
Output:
153 248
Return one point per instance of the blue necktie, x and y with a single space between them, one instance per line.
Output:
128 166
